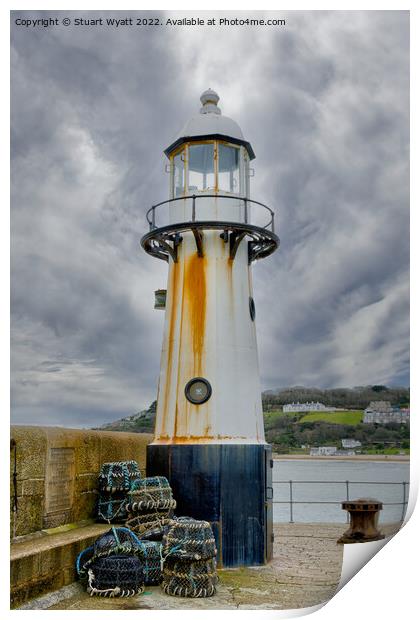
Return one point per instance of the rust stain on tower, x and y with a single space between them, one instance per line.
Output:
195 291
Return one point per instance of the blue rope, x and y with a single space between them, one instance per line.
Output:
80 556
114 531
131 533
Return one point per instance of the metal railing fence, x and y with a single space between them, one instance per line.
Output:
247 202
347 484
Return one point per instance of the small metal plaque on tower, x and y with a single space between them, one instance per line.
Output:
59 486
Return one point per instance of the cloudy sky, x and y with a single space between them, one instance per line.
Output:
324 102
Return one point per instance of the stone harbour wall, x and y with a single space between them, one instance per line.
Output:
57 471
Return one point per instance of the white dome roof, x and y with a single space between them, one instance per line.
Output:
211 122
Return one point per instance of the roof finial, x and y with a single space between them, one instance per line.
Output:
209 99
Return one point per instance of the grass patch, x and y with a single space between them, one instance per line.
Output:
272 419
334 417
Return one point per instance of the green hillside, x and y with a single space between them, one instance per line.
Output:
297 432
334 417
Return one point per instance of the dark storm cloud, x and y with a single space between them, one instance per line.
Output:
342 195
324 103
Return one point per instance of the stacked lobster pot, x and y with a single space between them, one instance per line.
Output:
115 481
189 558
119 564
111 566
150 505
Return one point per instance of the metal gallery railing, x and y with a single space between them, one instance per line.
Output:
291 501
193 198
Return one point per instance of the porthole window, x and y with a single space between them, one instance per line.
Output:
198 390
252 308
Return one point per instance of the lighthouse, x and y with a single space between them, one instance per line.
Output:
209 434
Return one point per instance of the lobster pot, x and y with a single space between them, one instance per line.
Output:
197 578
114 482
151 495
117 541
148 527
115 576
189 539
111 507
149 506
189 549
118 476
120 542
150 559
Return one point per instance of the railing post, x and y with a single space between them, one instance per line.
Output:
291 500
347 498
404 501
193 208
246 211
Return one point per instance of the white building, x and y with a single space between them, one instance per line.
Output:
382 406
302 407
323 451
395 416
350 443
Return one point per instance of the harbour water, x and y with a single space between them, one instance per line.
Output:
322 480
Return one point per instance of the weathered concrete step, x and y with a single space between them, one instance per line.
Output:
46 562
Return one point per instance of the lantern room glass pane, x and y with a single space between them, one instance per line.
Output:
229 169
178 180
201 175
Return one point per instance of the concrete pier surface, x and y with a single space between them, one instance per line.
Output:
304 572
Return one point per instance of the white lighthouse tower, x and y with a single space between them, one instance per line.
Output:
209 435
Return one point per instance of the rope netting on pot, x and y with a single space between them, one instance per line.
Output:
149 507
120 541
151 495
148 526
118 476
114 482
117 541
112 507
188 558
195 579
189 539
116 575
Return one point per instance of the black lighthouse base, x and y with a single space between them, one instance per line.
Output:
229 485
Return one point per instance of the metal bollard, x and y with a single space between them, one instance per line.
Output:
364 515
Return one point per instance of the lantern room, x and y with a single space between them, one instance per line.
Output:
211 155
211 166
